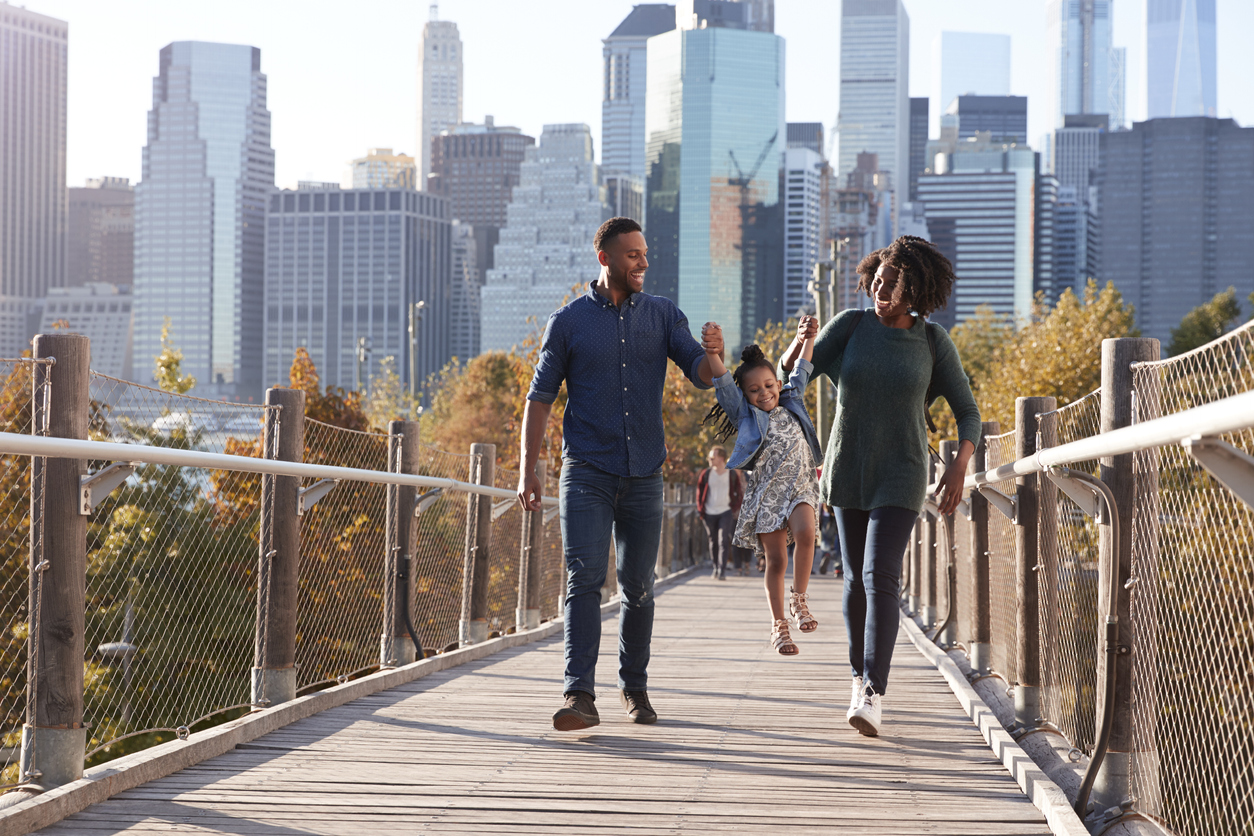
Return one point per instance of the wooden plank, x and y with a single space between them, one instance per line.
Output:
748 741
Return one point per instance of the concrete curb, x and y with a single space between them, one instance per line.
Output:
130 771
1036 785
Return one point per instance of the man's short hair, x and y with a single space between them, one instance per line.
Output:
720 449
610 230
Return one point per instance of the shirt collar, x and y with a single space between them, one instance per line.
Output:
602 302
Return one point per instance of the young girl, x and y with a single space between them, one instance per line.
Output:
776 443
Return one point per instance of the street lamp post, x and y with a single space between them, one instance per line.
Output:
363 352
415 317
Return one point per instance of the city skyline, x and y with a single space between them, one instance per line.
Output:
304 86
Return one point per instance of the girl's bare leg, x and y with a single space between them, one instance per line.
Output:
801 521
776 546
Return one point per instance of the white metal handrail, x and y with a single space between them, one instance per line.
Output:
1223 416
71 448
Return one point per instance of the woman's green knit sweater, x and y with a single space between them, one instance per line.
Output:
878 451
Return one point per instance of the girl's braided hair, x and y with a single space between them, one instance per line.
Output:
927 277
751 357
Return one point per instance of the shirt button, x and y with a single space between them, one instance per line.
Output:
624 388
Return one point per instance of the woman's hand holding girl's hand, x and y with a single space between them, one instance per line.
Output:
807 328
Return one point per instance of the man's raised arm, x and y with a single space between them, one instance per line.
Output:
535 419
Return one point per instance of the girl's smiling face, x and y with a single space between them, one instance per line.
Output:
761 388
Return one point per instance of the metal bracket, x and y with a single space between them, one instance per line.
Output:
499 509
93 488
1008 505
1080 492
551 513
424 501
308 497
1232 467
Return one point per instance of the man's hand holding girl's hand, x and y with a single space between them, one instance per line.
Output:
712 339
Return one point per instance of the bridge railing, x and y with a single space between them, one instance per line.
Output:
1102 566
202 559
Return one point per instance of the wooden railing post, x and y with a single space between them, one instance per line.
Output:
278 559
532 540
927 561
474 621
947 571
1027 608
54 738
396 647
915 556
981 620
1112 786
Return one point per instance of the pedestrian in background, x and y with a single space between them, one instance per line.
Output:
719 493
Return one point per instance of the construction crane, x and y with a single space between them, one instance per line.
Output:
742 181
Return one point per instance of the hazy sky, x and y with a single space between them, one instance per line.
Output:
343 77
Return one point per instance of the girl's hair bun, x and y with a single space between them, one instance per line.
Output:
751 353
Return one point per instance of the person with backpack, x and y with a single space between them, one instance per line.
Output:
888 364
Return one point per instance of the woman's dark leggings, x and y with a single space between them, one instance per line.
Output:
872 544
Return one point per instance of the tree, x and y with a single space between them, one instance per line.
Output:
1058 353
169 362
389 398
1208 321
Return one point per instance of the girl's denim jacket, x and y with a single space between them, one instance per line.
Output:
752 423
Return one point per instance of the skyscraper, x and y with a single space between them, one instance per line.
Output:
33 50
476 167
874 86
464 293
918 143
440 86
1003 118
1082 60
625 54
100 238
1176 209
1180 55
200 216
346 265
803 234
1077 152
545 252
807 135
967 64
981 209
381 169
716 141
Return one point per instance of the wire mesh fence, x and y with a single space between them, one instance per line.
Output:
438 560
504 555
1067 584
552 560
171 565
343 545
1004 638
17 415
1192 608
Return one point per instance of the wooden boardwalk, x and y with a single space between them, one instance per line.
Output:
749 742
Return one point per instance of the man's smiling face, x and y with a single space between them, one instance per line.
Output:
626 260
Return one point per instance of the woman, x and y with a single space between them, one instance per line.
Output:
719 494
885 364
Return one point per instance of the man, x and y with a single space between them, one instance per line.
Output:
610 346
719 494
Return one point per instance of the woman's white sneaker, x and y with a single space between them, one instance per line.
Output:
868 717
855 697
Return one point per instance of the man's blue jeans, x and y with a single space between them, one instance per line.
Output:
598 506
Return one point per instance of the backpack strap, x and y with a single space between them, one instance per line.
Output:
927 400
851 327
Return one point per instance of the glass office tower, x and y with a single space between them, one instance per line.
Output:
1180 40
715 150
200 216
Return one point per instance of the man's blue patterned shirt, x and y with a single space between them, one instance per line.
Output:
613 360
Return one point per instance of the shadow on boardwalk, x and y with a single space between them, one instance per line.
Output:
749 742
